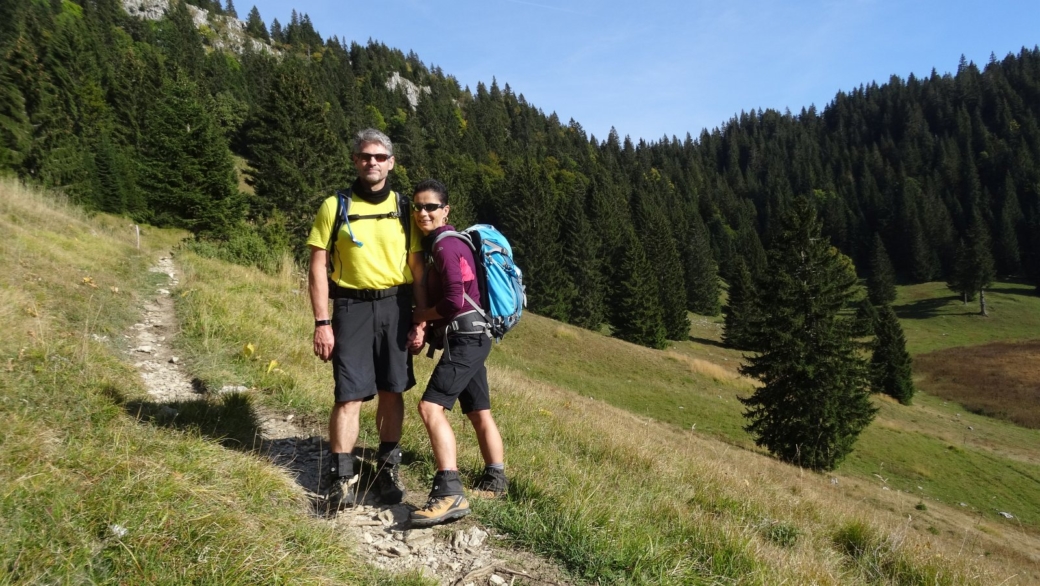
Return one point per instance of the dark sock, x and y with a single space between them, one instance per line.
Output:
342 465
389 453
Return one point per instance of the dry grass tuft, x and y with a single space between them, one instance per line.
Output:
713 370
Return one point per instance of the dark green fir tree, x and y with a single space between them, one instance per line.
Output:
636 312
973 268
881 282
890 365
814 401
701 272
739 312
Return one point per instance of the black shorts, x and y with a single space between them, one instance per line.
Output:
371 351
463 377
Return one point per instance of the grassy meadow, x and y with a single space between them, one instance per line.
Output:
92 495
628 465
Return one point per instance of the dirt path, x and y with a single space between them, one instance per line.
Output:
460 553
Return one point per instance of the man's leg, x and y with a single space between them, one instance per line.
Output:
343 426
389 419
343 434
390 416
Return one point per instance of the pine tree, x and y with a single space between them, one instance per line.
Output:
229 9
659 245
185 167
973 269
15 130
739 312
255 26
813 402
701 272
582 262
297 160
532 223
890 365
637 314
881 282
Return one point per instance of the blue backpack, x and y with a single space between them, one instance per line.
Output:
500 281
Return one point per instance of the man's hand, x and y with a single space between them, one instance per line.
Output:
323 342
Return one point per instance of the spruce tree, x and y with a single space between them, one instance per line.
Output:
813 402
255 26
636 313
296 158
582 262
973 269
890 371
881 282
660 246
739 312
701 272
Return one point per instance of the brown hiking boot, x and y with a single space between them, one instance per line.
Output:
440 509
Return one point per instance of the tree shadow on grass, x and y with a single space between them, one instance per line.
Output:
708 342
927 308
232 420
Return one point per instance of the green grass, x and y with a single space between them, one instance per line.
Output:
935 318
629 495
91 493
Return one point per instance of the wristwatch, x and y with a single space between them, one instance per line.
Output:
322 322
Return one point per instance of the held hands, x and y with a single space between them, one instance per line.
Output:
416 338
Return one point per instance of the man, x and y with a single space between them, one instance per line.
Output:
370 269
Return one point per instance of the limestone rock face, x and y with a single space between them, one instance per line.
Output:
411 91
224 32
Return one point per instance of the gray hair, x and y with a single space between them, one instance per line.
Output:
371 135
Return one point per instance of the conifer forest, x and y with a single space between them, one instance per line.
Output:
167 122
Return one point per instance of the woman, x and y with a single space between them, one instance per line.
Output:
453 322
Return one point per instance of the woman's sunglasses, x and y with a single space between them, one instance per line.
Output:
429 207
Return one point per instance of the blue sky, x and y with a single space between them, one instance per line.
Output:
667 67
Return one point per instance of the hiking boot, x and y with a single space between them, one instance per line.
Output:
342 493
493 482
388 483
440 509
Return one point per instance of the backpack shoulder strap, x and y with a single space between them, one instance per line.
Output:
406 221
343 200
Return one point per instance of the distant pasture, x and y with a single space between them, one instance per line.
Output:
1000 380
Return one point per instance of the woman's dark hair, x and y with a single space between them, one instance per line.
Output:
434 186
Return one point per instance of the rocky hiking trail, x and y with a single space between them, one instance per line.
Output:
460 553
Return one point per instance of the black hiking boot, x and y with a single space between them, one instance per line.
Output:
388 483
493 483
342 493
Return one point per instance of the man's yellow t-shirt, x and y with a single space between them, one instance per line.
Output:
382 261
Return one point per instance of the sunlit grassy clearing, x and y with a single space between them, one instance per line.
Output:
90 494
617 496
934 318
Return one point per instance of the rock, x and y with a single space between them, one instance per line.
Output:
232 389
497 580
1006 515
174 360
145 349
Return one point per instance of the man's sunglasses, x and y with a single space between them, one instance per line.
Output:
379 157
429 207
